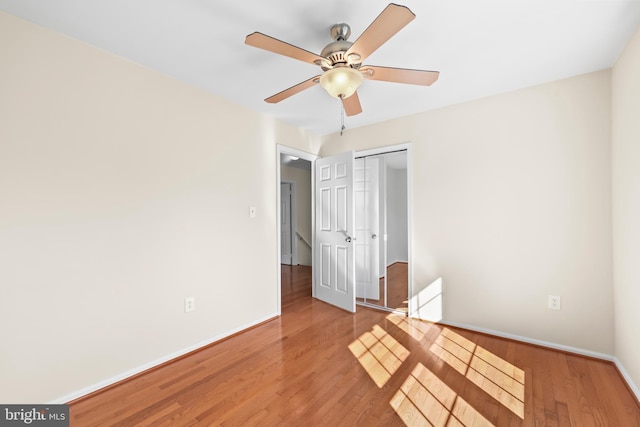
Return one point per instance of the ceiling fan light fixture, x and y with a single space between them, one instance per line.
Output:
341 82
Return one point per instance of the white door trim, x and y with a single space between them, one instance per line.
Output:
408 147
283 149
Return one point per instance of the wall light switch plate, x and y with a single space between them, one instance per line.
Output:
554 302
189 304
252 211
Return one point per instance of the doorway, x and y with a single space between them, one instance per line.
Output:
294 217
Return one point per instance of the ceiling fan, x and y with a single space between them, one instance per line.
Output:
341 60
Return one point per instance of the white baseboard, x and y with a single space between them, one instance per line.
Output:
634 388
109 381
554 346
527 340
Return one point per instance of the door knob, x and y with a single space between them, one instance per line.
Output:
374 236
347 238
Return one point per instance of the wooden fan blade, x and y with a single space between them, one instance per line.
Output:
400 75
271 44
352 105
293 90
392 19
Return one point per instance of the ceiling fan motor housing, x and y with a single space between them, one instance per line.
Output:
336 50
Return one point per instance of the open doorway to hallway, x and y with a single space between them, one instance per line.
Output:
295 224
295 211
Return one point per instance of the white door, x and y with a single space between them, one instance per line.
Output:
285 226
367 227
334 264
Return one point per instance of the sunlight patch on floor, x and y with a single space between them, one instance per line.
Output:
424 400
417 329
497 377
379 354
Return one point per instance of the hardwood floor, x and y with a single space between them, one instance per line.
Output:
317 365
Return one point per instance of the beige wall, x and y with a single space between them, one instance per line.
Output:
512 203
626 206
120 197
302 178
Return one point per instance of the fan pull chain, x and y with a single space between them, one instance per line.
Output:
342 128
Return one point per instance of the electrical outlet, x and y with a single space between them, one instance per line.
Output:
554 302
189 304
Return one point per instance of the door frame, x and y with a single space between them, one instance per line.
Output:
283 149
408 148
293 212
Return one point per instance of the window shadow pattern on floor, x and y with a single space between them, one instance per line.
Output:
423 398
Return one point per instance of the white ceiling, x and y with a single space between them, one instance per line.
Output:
480 47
